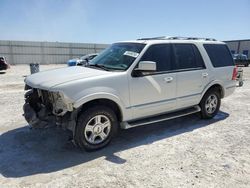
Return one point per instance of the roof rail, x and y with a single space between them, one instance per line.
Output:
177 38
190 38
153 38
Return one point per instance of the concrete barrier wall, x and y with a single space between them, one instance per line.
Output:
25 52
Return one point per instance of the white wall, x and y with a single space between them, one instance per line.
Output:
25 52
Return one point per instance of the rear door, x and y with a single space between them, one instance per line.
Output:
191 74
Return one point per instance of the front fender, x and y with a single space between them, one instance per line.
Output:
126 114
99 95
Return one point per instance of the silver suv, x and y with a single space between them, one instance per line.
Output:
130 84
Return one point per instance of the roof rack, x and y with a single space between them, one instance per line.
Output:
177 38
190 38
153 38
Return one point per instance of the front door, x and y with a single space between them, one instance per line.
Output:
154 93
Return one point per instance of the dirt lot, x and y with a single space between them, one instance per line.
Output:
186 152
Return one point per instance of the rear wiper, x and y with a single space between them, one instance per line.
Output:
98 66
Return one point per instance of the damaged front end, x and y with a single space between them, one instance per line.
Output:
44 109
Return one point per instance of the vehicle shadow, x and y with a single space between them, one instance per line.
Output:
25 152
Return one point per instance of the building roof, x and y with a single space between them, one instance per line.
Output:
237 40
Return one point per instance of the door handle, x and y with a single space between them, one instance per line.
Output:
168 79
204 75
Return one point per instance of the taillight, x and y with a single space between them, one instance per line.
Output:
235 72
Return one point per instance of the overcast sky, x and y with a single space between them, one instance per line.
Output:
108 21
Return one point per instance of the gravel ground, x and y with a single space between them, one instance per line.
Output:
186 152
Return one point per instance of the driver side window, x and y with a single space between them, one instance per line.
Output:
161 54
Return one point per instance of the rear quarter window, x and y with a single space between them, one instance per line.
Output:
219 55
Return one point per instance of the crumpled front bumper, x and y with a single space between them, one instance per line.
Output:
38 115
35 113
30 114
32 118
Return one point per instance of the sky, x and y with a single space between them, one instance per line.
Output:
108 21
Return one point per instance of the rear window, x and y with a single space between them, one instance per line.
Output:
219 55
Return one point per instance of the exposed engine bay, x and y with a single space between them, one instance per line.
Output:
44 109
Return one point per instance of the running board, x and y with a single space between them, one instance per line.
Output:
159 118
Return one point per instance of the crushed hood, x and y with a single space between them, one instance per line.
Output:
51 78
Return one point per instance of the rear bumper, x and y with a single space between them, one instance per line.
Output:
229 90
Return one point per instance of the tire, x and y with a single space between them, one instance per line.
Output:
96 126
209 110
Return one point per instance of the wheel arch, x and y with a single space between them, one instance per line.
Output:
105 102
215 85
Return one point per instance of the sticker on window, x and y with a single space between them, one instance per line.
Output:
131 54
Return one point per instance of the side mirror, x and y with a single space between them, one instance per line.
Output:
146 66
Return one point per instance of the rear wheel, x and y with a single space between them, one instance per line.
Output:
96 126
210 104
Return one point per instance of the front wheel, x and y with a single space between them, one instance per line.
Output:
210 104
96 126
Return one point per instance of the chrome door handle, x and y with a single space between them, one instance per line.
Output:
204 75
168 79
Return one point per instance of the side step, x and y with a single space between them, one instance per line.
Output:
159 118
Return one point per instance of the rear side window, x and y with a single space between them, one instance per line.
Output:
219 55
187 56
161 54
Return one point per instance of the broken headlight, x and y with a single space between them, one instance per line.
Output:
60 104
56 101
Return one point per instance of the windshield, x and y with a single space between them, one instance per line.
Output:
118 56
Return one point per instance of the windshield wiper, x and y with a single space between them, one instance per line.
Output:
98 66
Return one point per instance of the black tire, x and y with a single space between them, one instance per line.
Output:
83 120
205 114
